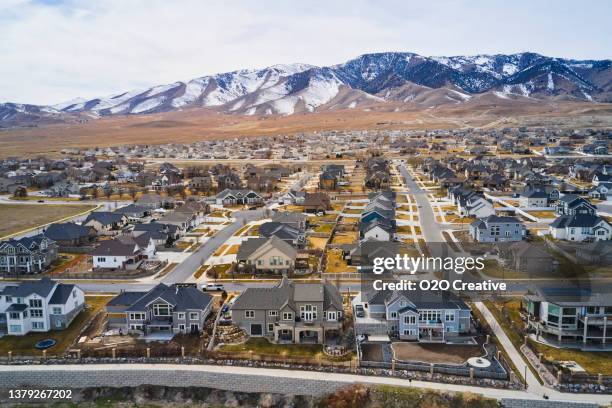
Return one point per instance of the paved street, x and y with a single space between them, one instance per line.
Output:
187 268
431 229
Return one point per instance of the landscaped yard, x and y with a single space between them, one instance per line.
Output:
233 250
19 217
335 263
593 362
317 242
436 353
24 345
324 228
220 250
261 346
341 238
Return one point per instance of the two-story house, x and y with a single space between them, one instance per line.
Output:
424 316
171 309
570 315
578 221
290 312
39 306
497 229
27 254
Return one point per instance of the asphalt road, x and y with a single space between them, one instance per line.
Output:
189 266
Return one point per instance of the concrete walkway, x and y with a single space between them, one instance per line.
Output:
283 375
533 385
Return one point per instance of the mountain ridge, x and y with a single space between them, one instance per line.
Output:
399 80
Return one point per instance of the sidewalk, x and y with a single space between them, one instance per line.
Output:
281 374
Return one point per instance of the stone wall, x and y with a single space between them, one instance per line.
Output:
103 377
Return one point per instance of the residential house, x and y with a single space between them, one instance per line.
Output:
298 221
581 227
120 254
571 316
497 229
266 255
171 309
423 316
527 257
39 306
290 312
286 232
27 255
106 222
69 234
238 197
533 198
316 202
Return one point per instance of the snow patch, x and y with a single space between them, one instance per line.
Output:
551 84
352 105
148 105
509 69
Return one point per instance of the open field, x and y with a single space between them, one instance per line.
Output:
19 217
202 124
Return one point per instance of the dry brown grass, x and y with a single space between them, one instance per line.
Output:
18 217
201 124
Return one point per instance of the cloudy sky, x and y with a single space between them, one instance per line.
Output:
55 50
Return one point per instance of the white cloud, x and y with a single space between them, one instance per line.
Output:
57 50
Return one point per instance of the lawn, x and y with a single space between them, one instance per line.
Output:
494 270
341 238
220 250
324 228
19 217
263 346
233 250
335 263
317 242
593 362
24 345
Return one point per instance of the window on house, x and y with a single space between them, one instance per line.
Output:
101 259
35 303
180 316
193 315
393 315
409 319
161 310
57 310
270 327
249 314
450 317
36 313
287 316
137 316
273 313
38 325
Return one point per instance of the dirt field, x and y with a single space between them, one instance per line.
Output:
19 217
435 353
201 124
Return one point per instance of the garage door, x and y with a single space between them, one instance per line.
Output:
256 330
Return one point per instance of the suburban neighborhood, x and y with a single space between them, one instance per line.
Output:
259 252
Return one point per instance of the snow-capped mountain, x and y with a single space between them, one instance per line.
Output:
393 78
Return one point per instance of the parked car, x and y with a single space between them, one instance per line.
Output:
359 311
213 286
